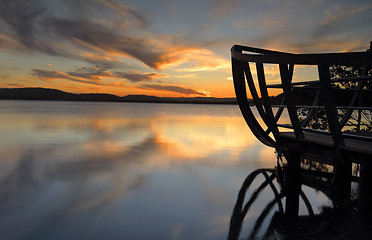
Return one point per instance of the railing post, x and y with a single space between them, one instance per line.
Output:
286 77
342 179
329 104
342 171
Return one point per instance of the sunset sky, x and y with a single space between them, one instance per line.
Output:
163 47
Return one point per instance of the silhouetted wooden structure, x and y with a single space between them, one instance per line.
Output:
244 202
344 138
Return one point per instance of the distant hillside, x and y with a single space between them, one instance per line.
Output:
57 95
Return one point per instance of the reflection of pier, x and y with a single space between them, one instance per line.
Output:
242 206
330 118
314 178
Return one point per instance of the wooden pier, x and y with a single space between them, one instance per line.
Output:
330 117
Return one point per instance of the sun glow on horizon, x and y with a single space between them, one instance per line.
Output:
124 48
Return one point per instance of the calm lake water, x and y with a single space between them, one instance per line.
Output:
85 170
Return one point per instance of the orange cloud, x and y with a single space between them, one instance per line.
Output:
193 59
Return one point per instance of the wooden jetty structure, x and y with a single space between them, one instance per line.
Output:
330 117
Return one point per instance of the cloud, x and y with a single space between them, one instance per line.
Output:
21 16
312 26
126 16
12 85
193 59
94 36
135 76
22 27
92 73
333 19
175 88
223 8
96 75
49 75
39 28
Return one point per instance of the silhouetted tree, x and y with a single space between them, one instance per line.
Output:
360 119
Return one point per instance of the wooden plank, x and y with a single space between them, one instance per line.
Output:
257 101
315 82
356 95
265 97
241 95
352 145
329 104
348 58
286 77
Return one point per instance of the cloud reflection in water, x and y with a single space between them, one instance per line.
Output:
109 170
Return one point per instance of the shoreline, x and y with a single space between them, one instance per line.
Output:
47 94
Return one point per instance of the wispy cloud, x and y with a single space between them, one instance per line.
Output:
135 76
311 26
221 8
33 27
192 59
92 73
126 16
21 16
94 36
37 28
96 75
131 43
50 75
335 17
177 89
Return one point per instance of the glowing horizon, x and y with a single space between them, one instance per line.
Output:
165 49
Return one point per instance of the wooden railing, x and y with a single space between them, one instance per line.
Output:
342 112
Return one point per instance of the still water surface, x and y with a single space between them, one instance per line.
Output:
85 170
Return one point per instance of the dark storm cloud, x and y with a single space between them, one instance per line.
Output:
173 88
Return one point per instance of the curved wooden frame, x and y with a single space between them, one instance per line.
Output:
242 76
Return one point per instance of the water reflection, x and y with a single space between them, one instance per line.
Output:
271 217
121 171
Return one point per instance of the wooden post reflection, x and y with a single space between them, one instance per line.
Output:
292 186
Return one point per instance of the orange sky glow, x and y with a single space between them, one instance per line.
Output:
169 49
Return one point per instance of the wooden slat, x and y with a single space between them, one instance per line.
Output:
332 143
348 58
256 99
352 145
311 113
356 96
336 80
241 95
292 112
329 104
265 98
